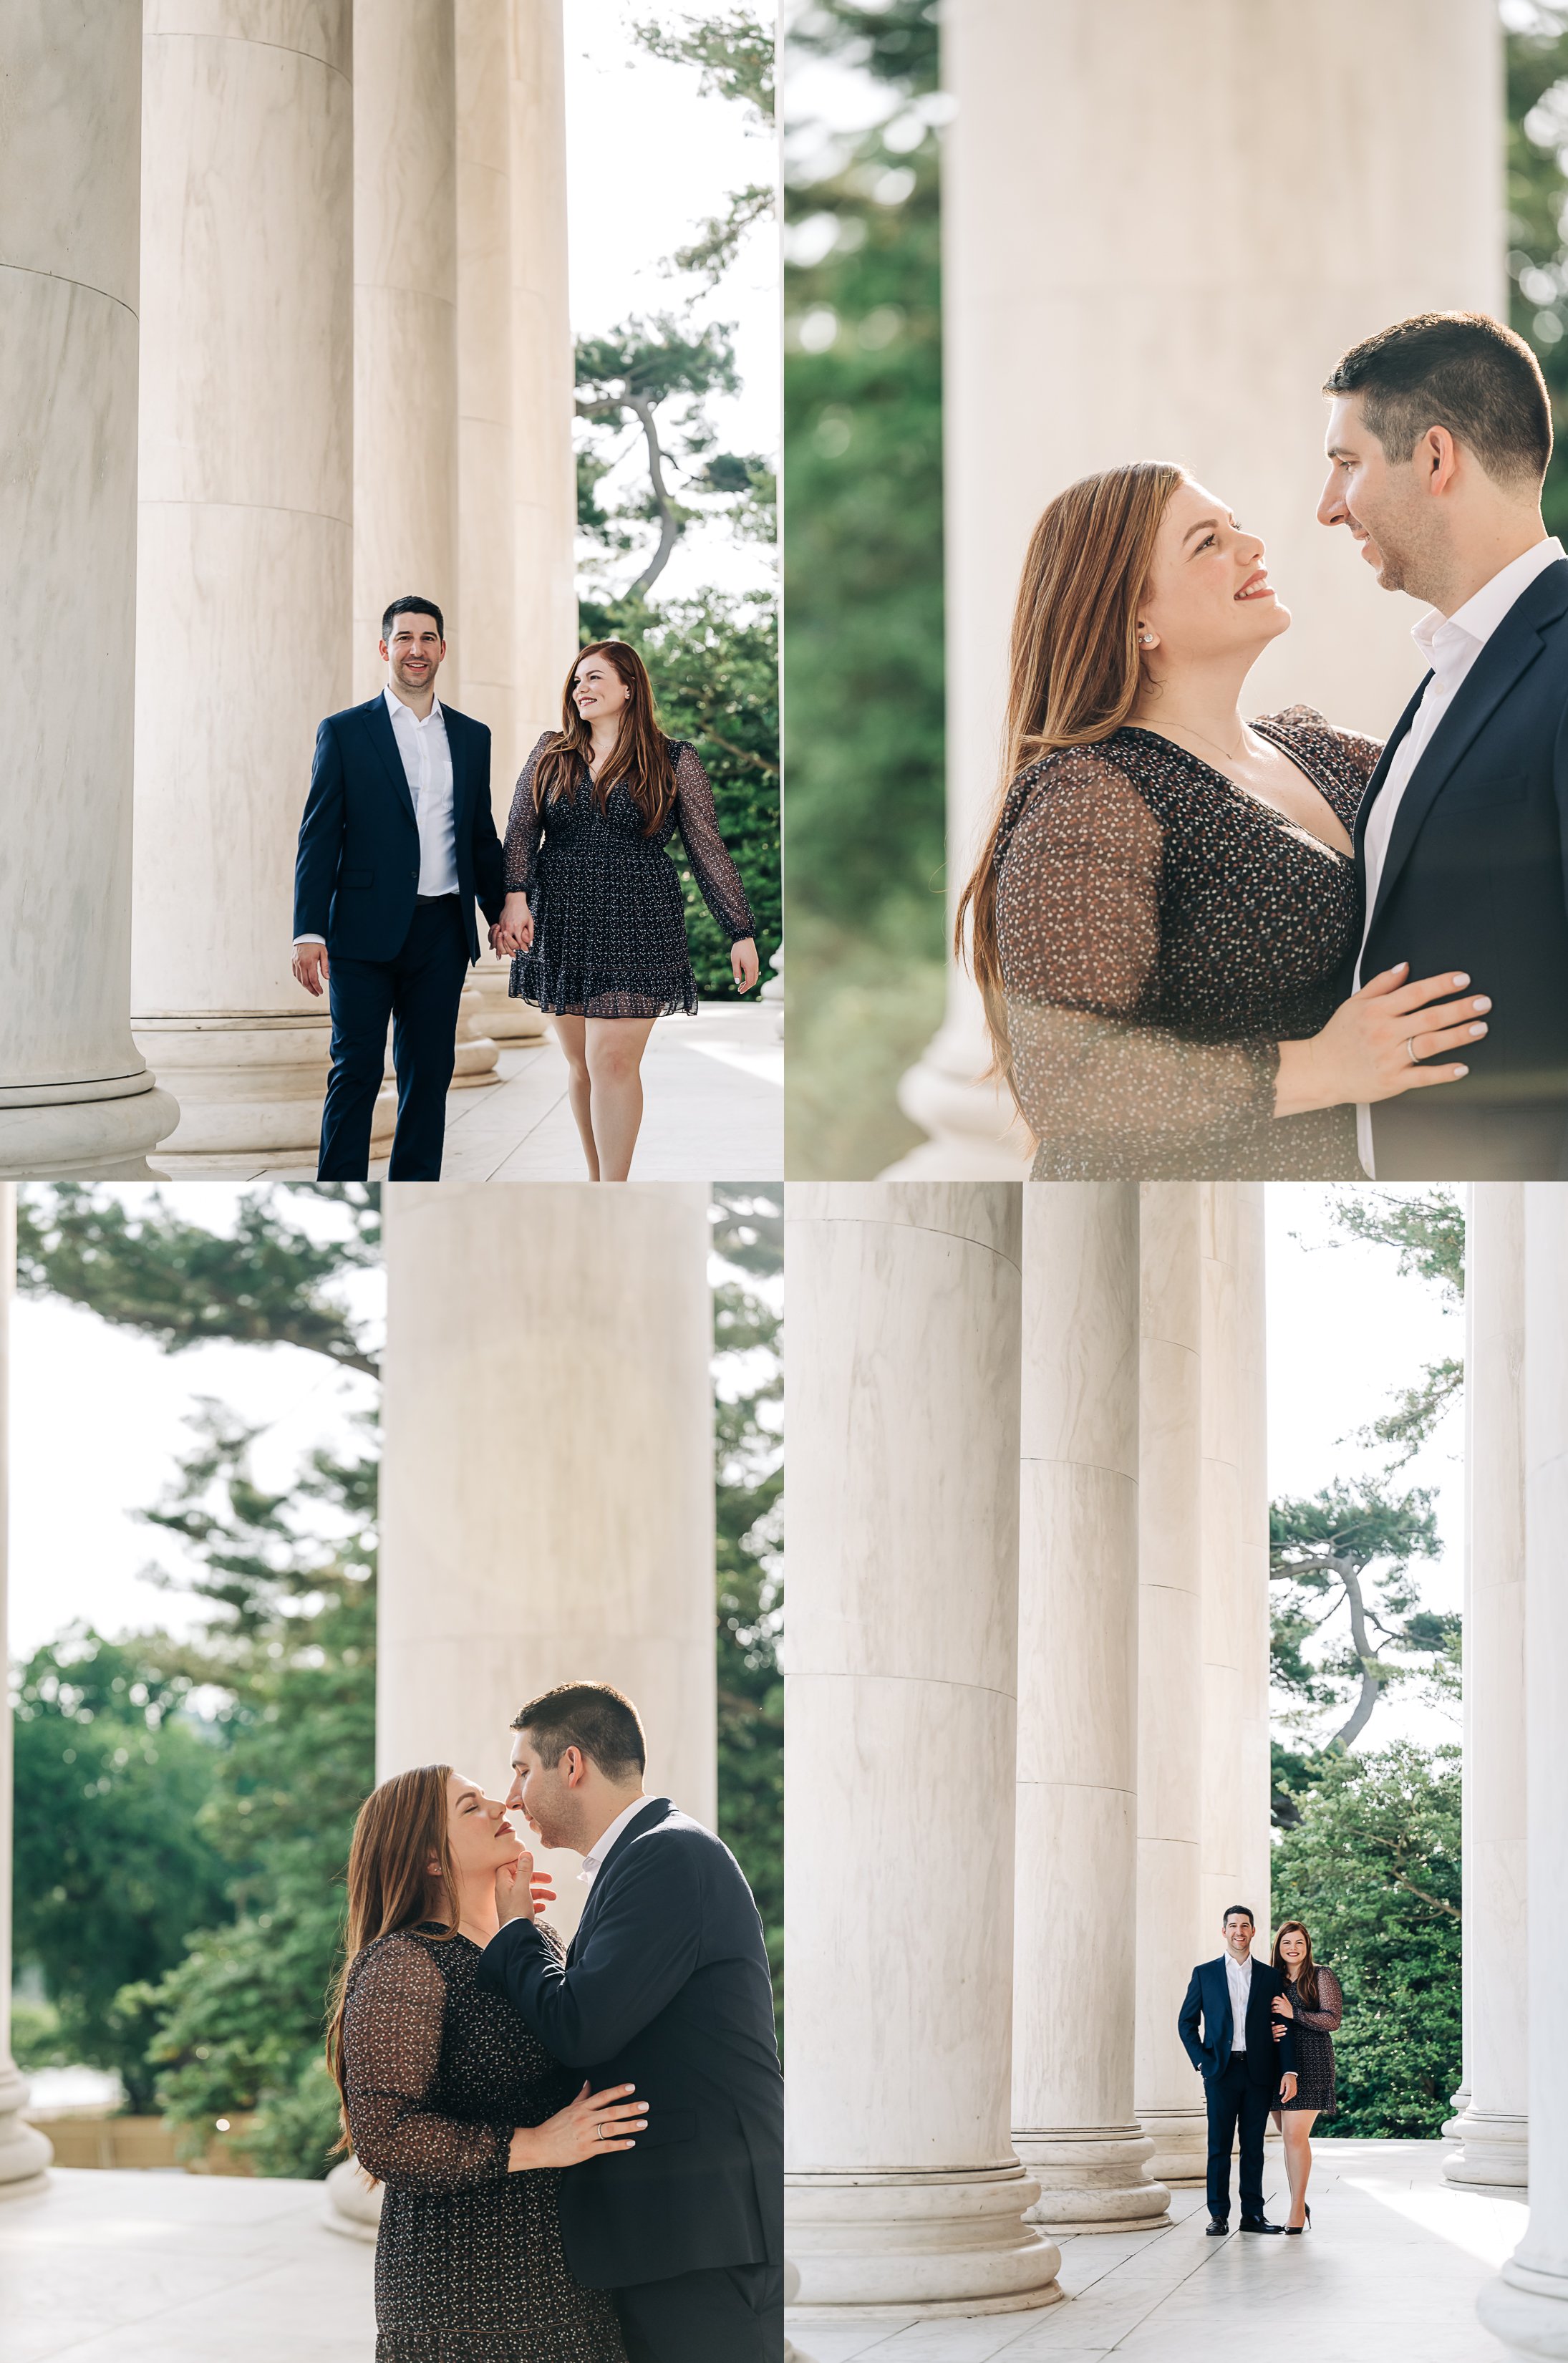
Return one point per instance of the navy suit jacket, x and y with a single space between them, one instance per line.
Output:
1209 2001
1475 879
356 873
665 1986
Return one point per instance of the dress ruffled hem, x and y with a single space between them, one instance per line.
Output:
564 994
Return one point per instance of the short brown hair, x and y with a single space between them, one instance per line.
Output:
1458 370
593 1717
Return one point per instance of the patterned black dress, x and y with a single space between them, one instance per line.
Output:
609 929
1315 2030
1161 932
468 2261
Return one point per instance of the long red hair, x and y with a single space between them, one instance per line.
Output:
641 754
1074 670
402 1827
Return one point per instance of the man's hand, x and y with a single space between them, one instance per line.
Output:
513 931
310 967
1288 2086
521 1891
745 966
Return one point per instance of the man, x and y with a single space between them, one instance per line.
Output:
665 1987
1438 442
396 843
1244 2073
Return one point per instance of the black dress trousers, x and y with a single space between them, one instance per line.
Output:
1236 2106
418 991
732 2314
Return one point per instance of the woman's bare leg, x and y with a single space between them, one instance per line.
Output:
615 1047
569 1035
1296 2125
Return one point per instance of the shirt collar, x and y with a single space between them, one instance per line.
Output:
594 1860
1441 638
395 705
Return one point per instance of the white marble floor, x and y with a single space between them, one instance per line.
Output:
170 2268
1390 2269
713 1111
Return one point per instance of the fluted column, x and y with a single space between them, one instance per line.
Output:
1493 2125
1171 1931
1166 268
25 2153
244 574
1235 1609
904 2188
544 477
1074 1951
75 1093
1527 2306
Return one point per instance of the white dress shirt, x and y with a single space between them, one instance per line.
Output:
427 767
1239 1978
1450 645
594 1860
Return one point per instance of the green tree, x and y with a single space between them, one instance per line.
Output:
863 554
1426 1231
115 1860
1537 68
735 53
1373 1868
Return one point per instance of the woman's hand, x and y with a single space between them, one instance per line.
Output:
1369 1047
1288 2087
1283 2008
745 966
595 2122
513 931
521 1891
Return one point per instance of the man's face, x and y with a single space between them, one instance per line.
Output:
1394 521
414 652
1238 1934
543 1792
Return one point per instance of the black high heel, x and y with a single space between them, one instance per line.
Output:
1294 2231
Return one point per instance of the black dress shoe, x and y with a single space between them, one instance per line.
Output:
1218 2226
1260 2224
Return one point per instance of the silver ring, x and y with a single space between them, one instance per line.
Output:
1410 1046
599 2128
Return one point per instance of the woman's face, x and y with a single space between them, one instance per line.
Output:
1293 1948
1208 594
598 691
478 1835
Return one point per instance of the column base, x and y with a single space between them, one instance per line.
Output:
1527 2311
247 1085
1180 2137
477 1051
1496 2152
503 1019
353 2202
918 2244
24 2152
87 1138
977 1133
1093 2179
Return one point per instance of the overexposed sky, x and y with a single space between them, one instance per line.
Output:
648 158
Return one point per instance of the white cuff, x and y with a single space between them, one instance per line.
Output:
312 939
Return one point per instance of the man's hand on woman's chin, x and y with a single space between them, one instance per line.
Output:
521 1891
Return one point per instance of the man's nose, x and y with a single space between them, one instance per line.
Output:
1331 508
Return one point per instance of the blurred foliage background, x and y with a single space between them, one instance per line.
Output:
863 537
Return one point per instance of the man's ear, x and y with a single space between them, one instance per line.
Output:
577 1769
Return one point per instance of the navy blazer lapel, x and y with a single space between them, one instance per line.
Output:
638 1823
384 737
1495 674
457 748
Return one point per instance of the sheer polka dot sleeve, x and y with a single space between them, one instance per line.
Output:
392 2046
523 827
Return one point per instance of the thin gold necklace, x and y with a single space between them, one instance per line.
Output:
1230 757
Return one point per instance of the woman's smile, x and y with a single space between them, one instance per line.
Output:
1256 586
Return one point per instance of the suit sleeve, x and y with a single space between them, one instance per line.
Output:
1187 2023
321 837
490 863
1287 2047
644 1944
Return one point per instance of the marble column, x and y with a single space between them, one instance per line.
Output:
1493 2121
1075 1947
1178 302
25 2153
1234 1527
244 573
902 2188
76 1096
486 592
558 1525
1527 2306
1172 1935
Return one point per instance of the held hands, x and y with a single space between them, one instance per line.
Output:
521 1891
1369 1047
745 965
513 931
310 967
595 2122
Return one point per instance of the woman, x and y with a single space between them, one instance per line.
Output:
1166 914
450 2103
1313 2002
592 914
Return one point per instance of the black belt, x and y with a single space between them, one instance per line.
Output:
437 898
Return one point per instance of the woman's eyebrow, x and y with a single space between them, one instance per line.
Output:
1204 525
